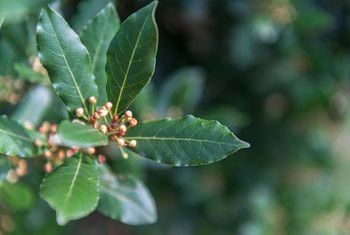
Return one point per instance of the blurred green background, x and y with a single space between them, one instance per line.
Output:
276 72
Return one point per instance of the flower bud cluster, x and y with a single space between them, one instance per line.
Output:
53 154
110 124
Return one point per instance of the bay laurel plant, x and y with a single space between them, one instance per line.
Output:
98 74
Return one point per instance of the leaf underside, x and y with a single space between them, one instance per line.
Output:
126 199
188 141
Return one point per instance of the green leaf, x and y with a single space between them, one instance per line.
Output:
66 60
87 10
96 36
28 74
15 11
72 188
181 93
1 20
188 141
29 110
75 134
17 197
131 57
15 139
125 199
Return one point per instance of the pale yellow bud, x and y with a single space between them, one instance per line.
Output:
120 142
133 143
92 100
103 129
79 112
91 150
122 128
108 105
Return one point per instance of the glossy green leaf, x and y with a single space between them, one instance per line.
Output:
75 134
126 199
188 141
181 92
15 139
96 36
1 21
17 197
72 188
131 57
87 9
66 60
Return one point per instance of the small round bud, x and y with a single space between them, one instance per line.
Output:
92 100
48 167
60 155
115 118
74 149
96 115
108 105
103 129
101 159
37 143
28 125
12 176
21 171
69 153
128 114
22 163
133 143
103 112
44 128
79 112
133 122
122 128
120 142
112 138
47 153
91 150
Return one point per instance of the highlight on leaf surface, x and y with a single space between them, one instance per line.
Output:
187 141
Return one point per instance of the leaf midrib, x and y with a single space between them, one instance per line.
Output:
16 136
70 190
129 64
121 197
68 67
172 138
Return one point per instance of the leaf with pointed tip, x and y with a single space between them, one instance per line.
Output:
86 10
72 188
125 199
188 141
15 140
131 57
66 60
74 134
96 36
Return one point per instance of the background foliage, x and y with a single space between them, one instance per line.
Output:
275 71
